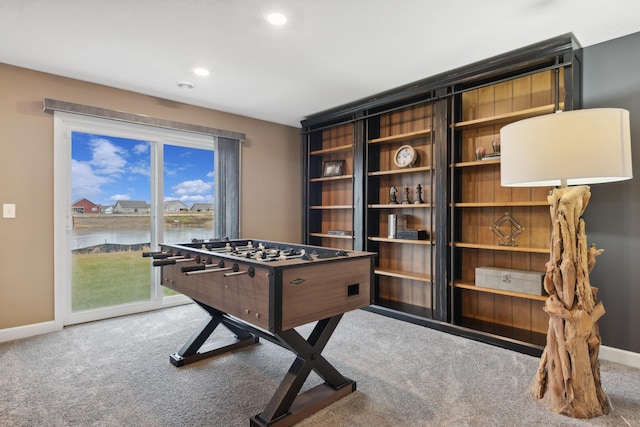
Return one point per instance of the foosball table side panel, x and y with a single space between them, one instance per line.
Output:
315 292
241 296
198 287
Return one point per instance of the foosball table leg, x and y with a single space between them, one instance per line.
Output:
195 349
287 406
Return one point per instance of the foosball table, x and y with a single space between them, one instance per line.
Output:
264 289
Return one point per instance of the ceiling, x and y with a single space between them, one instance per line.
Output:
330 52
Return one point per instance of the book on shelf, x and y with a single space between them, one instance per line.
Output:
340 233
412 234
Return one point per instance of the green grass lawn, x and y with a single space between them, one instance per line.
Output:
110 278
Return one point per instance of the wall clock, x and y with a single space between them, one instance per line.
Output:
405 156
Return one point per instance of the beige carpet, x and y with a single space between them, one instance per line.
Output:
117 373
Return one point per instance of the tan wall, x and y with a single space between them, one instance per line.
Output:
270 208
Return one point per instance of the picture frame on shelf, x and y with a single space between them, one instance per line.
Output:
333 168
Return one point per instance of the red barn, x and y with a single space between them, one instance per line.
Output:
85 206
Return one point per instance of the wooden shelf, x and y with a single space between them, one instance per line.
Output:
400 206
400 137
400 171
386 305
499 204
331 150
502 248
331 236
332 207
473 287
506 118
402 275
477 163
331 178
411 242
530 339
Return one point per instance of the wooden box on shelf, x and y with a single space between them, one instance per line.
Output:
507 279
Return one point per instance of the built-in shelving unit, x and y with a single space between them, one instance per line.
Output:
405 272
444 119
330 190
479 201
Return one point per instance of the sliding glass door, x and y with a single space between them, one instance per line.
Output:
188 207
111 207
120 190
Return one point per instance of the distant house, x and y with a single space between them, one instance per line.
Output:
175 206
200 207
106 209
131 207
85 206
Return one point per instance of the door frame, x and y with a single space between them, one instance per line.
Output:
64 124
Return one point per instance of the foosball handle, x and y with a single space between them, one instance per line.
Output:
150 254
193 268
161 262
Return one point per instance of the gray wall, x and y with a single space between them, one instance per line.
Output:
611 78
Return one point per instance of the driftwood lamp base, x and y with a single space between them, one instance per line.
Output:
568 378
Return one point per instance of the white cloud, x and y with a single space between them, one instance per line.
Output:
193 187
190 199
84 181
141 168
141 148
171 169
107 159
117 197
107 164
194 191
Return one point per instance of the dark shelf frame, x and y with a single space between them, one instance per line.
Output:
442 89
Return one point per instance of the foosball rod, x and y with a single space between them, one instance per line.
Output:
173 260
210 270
229 248
190 268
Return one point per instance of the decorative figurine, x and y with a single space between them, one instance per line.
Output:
418 199
480 152
392 196
513 229
405 195
496 145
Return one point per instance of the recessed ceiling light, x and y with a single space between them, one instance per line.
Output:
201 71
276 19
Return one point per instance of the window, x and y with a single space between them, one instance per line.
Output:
119 171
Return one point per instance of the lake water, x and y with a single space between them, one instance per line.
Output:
86 237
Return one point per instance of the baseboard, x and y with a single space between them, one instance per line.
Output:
623 357
27 331
20 332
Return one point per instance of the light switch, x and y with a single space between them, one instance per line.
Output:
9 210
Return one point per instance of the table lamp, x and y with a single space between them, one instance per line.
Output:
569 150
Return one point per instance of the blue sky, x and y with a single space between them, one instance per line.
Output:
106 169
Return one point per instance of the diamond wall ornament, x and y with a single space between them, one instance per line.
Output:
507 228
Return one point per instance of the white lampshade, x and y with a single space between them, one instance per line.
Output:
567 148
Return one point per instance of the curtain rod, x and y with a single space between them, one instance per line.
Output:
70 107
